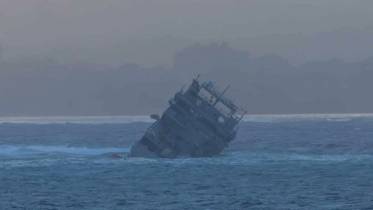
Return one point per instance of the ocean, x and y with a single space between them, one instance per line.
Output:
276 162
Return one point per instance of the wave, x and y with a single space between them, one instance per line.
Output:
39 156
77 120
248 158
316 157
27 150
305 117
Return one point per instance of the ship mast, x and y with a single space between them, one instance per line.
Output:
221 95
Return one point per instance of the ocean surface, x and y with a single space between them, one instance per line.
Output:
276 162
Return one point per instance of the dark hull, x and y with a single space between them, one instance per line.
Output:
168 138
192 126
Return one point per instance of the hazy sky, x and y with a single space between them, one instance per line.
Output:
150 31
109 57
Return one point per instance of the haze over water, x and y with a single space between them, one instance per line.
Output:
93 57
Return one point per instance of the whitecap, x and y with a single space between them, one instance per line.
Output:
76 119
22 150
304 117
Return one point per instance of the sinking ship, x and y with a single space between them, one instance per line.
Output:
199 122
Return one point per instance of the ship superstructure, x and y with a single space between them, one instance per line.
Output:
199 122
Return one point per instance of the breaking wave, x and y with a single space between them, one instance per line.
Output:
247 158
76 119
22 150
230 158
305 117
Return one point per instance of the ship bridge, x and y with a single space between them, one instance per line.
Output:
216 98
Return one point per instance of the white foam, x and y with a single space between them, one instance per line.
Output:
305 117
248 158
19 150
317 157
76 119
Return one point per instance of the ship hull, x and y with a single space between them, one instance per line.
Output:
175 135
199 122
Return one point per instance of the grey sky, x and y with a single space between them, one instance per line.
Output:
150 31
110 57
